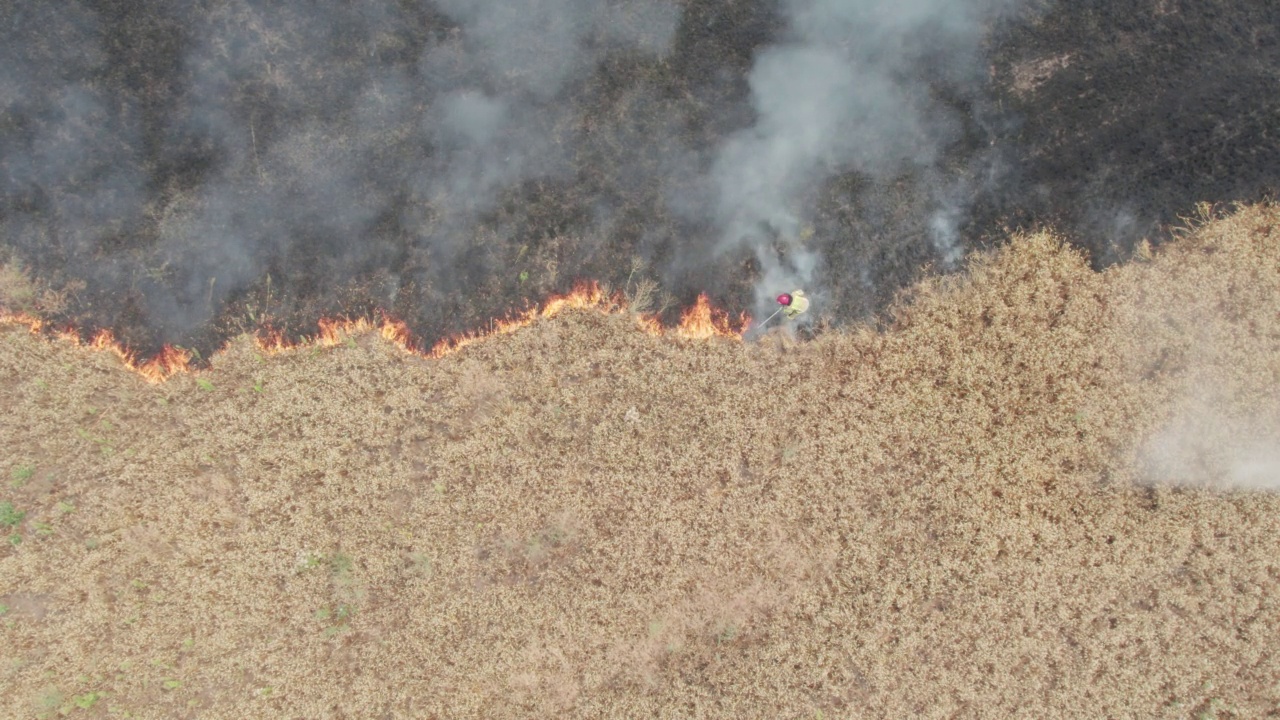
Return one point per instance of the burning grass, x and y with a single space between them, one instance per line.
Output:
700 322
957 516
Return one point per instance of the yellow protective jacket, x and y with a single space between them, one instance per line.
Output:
799 304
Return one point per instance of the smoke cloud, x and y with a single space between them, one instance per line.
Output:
427 145
196 164
850 89
416 148
1213 442
178 153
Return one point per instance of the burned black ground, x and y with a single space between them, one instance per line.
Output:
1104 119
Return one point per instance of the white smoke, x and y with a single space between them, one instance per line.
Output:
1213 441
848 90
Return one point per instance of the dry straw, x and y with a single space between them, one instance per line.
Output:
968 514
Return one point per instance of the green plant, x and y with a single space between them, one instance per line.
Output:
421 563
50 700
726 633
310 562
87 700
10 516
102 443
171 684
21 474
204 384
341 565
341 617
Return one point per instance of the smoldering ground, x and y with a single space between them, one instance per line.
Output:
186 170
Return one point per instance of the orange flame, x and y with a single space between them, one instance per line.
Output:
583 297
699 322
169 362
338 331
163 366
13 318
703 321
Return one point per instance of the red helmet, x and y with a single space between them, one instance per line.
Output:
784 299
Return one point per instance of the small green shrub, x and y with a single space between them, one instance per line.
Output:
9 516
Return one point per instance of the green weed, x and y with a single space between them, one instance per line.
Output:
727 633
204 384
50 700
10 516
21 474
102 443
341 617
341 565
421 563
310 562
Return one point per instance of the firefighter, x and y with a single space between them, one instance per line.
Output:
794 304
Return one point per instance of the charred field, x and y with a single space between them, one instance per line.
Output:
179 173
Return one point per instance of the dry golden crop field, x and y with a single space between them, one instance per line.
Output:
1037 490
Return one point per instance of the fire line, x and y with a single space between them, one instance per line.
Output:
699 322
